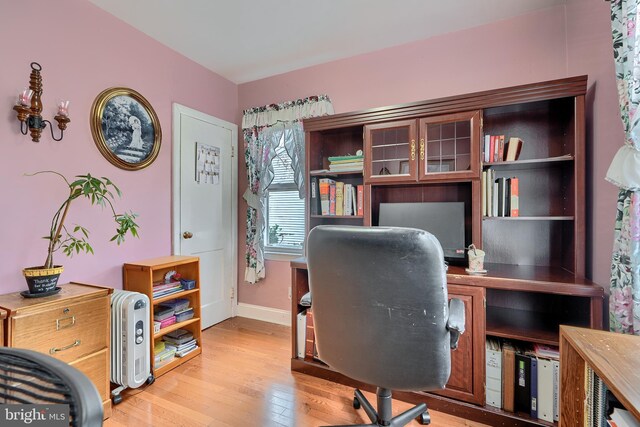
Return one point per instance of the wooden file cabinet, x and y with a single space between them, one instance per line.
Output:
73 326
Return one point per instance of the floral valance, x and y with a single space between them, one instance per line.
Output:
290 111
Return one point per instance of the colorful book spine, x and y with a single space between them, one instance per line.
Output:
515 196
332 198
324 185
340 198
360 200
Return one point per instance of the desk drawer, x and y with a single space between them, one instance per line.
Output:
66 332
96 368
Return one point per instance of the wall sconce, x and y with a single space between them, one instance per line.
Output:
29 107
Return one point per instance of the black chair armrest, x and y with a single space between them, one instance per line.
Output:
455 323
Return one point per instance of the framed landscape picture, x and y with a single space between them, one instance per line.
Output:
125 128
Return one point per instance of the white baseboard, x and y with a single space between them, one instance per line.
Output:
266 314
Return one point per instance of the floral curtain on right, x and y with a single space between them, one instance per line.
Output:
624 172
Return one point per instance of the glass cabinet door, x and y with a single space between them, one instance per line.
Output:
449 146
391 151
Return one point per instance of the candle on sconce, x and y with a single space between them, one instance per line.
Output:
24 97
63 108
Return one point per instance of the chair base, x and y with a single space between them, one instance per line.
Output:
383 417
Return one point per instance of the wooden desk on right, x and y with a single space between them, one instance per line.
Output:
614 357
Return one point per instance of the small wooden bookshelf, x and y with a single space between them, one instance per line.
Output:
613 357
140 277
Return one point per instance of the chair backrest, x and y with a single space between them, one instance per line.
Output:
29 377
380 309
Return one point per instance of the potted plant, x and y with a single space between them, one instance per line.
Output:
42 280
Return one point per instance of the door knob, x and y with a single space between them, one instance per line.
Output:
187 234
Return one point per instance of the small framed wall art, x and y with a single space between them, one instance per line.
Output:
125 128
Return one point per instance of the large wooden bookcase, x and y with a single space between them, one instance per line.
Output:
431 151
141 275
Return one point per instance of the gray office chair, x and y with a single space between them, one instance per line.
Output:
29 377
381 314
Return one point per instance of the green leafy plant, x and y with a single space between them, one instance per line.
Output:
99 191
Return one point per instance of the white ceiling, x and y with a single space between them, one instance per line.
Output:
246 40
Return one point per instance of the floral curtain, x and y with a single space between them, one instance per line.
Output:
624 172
263 127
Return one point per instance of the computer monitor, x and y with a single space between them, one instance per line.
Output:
445 220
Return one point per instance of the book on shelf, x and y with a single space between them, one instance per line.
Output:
348 203
513 149
309 336
168 322
493 373
485 151
545 389
161 313
500 149
484 193
494 198
161 286
315 197
354 199
508 376
556 389
324 184
332 198
522 393
339 198
534 387
347 163
301 333
492 148
360 199
514 205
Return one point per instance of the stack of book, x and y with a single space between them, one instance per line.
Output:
500 196
336 197
162 289
523 379
181 342
496 149
346 163
164 315
162 354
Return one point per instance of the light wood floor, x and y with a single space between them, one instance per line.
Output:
243 378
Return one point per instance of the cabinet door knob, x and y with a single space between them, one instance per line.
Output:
187 234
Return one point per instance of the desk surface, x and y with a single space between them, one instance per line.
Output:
614 357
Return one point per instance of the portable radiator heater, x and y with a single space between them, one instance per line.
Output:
130 345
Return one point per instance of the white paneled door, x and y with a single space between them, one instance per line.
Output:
205 206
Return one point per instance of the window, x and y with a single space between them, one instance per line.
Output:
285 227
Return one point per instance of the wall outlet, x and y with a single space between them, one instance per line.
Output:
289 292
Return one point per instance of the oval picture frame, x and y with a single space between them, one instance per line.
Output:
125 128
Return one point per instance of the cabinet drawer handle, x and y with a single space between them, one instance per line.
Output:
422 149
66 347
60 323
413 149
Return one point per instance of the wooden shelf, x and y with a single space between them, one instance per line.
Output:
522 325
165 331
177 361
528 164
180 294
528 218
337 216
329 173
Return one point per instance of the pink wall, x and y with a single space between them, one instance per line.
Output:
84 50
521 50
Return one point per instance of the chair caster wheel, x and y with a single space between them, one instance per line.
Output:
424 418
356 403
151 379
116 398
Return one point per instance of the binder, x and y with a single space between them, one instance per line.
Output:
484 193
515 197
301 333
534 387
522 393
556 390
545 390
493 373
